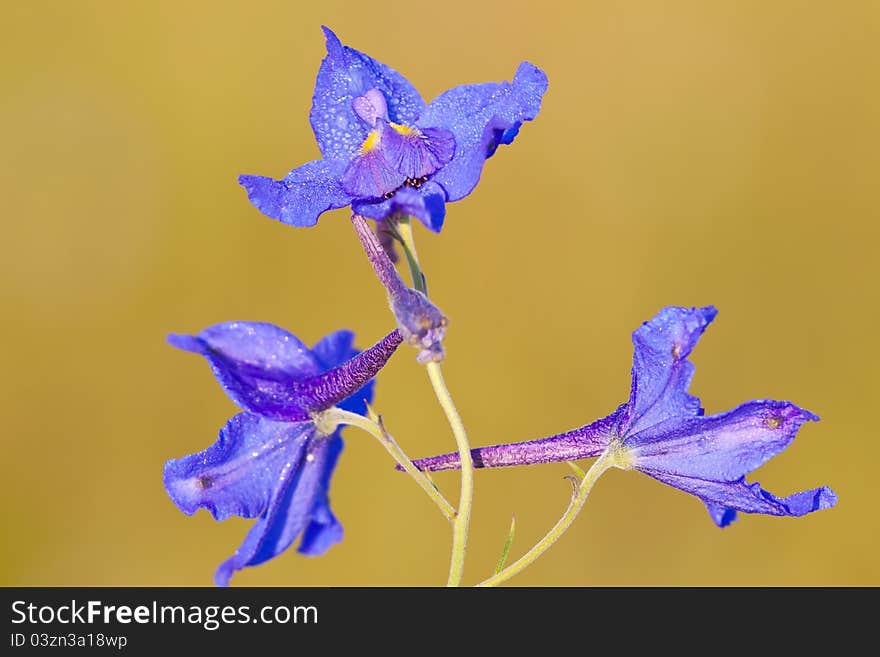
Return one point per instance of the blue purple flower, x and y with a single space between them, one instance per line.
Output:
386 152
273 462
662 431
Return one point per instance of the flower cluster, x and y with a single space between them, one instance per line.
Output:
390 156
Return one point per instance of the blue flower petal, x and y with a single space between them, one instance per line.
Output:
370 174
256 363
302 196
346 74
661 372
300 488
324 530
427 204
721 515
236 475
481 117
335 349
721 447
724 498
394 155
417 153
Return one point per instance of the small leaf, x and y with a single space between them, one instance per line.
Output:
574 466
371 414
507 544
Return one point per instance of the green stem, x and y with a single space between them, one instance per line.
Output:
603 463
336 416
404 229
465 501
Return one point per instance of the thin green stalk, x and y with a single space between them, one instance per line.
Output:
404 231
608 459
466 496
336 416
465 501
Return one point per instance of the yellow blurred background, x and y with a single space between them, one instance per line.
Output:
687 153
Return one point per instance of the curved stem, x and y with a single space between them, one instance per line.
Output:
336 416
466 496
603 463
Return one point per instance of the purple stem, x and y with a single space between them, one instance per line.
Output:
378 258
584 442
328 389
